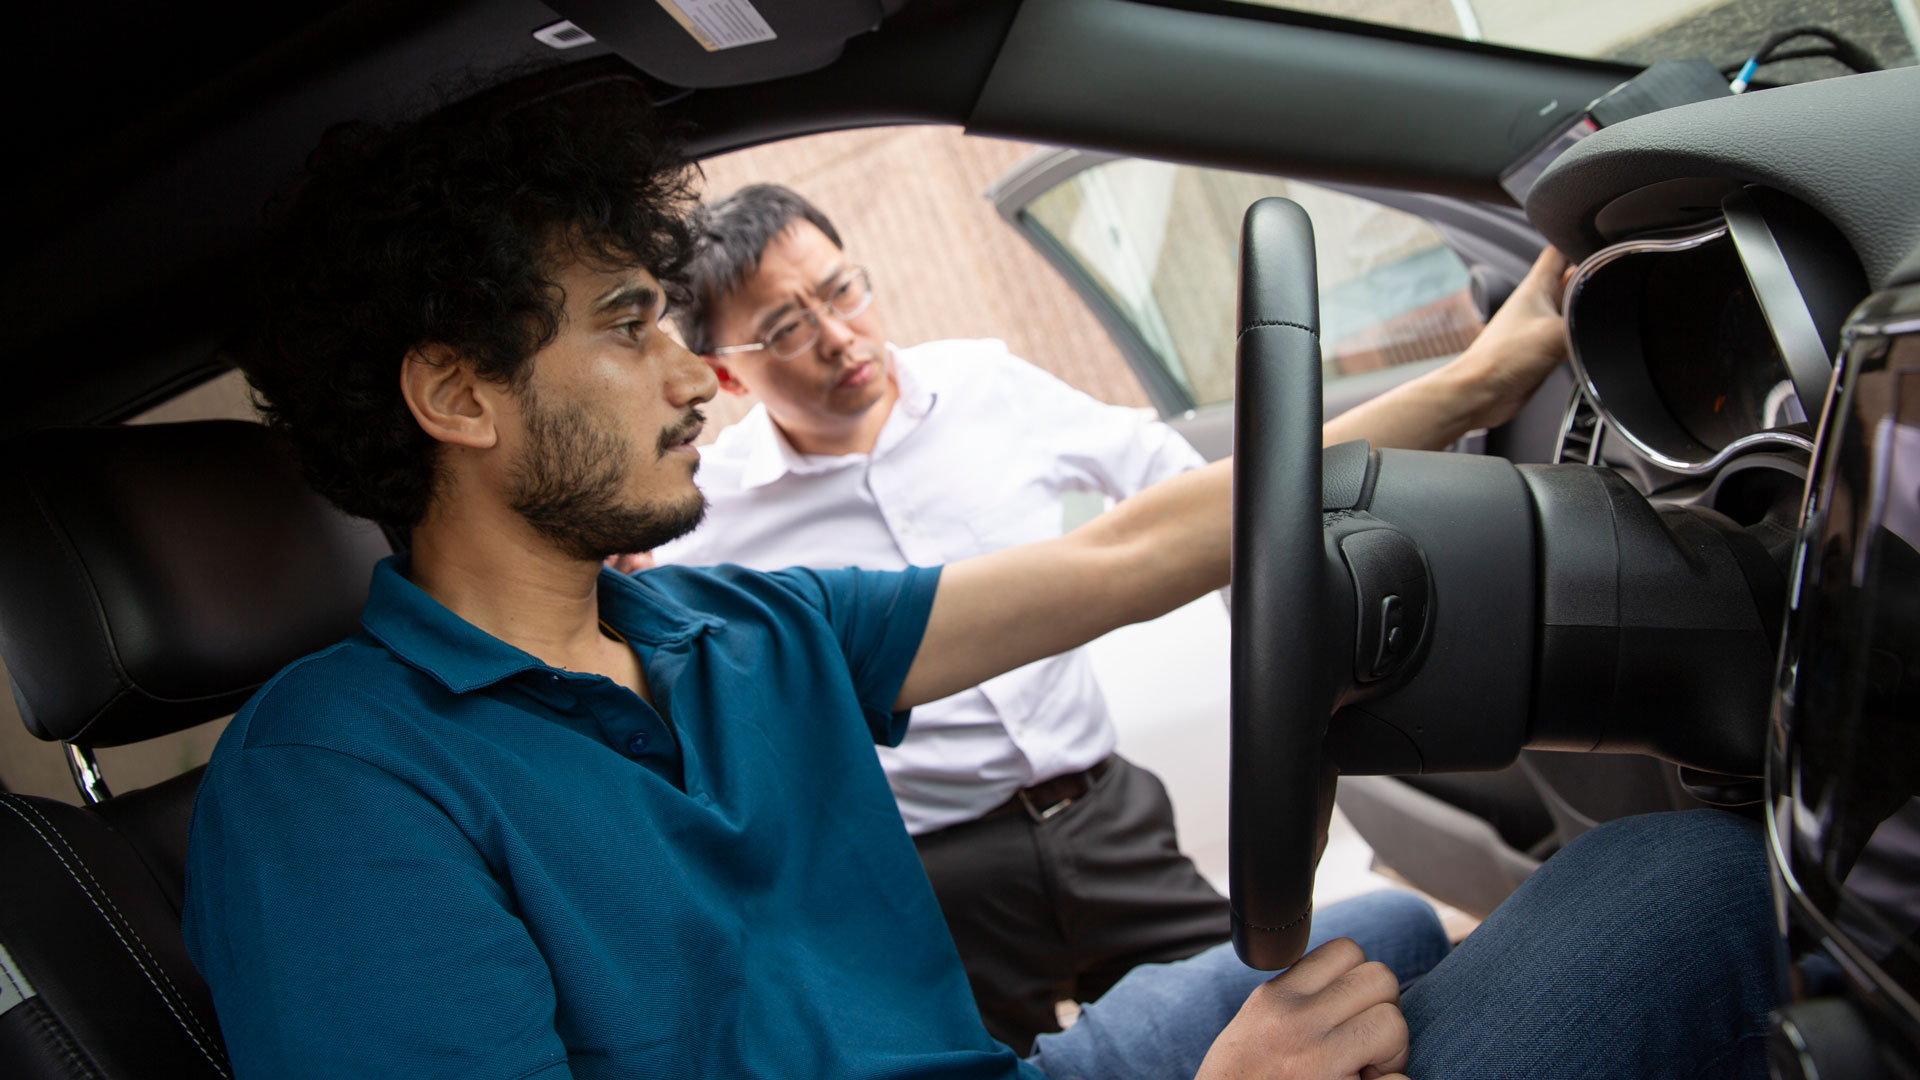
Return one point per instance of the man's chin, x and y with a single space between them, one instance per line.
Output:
597 537
691 515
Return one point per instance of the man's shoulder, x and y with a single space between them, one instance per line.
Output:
773 599
954 356
324 698
730 591
983 370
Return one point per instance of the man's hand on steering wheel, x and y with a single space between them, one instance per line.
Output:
1332 1015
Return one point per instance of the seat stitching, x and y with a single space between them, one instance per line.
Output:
192 1027
158 967
52 1031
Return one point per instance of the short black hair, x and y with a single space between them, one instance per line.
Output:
446 230
730 236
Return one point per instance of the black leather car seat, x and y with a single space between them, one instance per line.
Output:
151 578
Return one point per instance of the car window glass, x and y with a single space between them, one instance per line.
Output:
223 397
1161 243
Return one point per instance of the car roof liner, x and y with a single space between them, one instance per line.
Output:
726 42
152 214
149 205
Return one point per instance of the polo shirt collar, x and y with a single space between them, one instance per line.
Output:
769 456
422 632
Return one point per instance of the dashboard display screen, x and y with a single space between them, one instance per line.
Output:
1709 352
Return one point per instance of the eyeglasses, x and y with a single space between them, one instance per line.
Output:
797 332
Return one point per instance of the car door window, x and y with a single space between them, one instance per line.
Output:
1160 242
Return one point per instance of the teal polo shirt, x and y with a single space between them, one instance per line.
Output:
425 853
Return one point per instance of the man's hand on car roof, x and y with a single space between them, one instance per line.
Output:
1482 387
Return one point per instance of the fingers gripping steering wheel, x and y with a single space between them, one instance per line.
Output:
1282 692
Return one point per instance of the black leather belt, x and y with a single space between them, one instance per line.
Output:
1049 797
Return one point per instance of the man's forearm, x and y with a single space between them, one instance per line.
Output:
1168 544
1152 553
1427 413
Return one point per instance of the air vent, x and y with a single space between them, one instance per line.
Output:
562 35
1581 433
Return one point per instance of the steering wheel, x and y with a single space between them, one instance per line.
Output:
1281 692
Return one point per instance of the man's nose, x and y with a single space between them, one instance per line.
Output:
836 337
690 381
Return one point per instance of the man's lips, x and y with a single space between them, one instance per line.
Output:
858 375
680 437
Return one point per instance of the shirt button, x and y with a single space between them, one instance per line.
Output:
639 743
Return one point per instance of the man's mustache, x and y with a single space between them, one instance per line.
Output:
682 431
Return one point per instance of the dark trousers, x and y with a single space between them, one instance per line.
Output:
1043 911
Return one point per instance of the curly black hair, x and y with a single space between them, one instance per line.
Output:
445 230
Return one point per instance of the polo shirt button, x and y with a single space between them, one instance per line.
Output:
639 743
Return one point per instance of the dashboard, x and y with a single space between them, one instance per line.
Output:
1747 304
1701 342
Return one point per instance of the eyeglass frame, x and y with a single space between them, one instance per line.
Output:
810 315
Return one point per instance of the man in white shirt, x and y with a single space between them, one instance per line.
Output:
1055 862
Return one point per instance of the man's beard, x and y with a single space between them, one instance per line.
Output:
568 485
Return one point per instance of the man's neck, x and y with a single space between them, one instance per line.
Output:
505 579
855 435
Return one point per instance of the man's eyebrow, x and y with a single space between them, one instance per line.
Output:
833 274
629 295
766 321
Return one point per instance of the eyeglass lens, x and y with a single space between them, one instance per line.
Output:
800 330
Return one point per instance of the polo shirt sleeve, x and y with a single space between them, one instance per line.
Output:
878 617
348 928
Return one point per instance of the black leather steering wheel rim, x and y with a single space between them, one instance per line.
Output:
1281 693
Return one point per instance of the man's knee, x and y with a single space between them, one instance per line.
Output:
1695 856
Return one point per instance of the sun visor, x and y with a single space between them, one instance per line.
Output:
709 43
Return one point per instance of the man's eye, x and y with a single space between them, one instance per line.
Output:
633 329
783 335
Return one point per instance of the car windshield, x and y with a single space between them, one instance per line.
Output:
1643 31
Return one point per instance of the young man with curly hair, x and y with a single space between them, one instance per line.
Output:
543 820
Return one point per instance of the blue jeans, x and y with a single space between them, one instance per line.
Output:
1159 1020
1644 950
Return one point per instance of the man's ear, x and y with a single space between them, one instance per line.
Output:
448 400
728 381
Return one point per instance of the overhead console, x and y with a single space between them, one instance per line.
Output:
708 43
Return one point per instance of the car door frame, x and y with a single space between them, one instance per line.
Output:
1496 243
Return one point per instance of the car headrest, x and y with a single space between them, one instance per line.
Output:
154 576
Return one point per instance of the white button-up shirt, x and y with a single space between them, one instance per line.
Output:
974 457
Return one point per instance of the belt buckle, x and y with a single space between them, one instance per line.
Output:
1039 814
